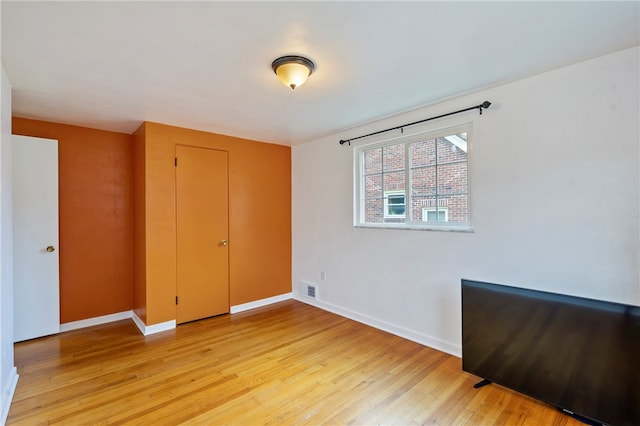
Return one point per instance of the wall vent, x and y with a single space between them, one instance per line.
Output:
311 291
308 289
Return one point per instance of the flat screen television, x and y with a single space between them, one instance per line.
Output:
580 355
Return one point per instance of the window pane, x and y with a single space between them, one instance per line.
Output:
423 181
396 209
396 199
452 178
452 148
373 161
417 205
373 211
420 206
457 208
423 153
436 216
393 157
395 205
394 181
373 186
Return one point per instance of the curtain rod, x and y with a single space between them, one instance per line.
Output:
485 105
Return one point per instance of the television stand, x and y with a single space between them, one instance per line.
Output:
481 383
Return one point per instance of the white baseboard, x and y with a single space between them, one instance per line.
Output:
7 394
260 303
68 326
414 336
144 329
168 325
153 328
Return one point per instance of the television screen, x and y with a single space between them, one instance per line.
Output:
580 355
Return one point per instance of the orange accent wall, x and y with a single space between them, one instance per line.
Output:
117 218
96 217
259 217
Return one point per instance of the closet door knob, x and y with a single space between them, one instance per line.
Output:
224 243
50 249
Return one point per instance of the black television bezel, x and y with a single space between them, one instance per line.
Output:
532 293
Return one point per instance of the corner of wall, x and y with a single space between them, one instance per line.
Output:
8 390
139 224
8 372
154 328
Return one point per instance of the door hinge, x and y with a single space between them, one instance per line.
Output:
176 300
176 162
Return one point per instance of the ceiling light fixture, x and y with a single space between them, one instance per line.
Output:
293 71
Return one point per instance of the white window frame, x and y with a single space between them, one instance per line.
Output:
358 158
386 213
427 210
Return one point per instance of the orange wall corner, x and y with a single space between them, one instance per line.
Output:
160 226
139 225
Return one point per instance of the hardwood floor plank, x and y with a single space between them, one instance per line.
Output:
289 363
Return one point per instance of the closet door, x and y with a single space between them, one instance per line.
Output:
35 237
202 214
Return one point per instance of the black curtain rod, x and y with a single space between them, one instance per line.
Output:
485 105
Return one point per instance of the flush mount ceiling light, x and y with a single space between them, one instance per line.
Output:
293 71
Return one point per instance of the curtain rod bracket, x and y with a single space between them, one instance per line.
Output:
485 105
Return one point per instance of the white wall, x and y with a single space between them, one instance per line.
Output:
8 374
554 203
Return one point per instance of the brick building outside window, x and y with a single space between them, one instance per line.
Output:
417 181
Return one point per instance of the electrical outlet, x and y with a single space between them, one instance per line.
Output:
323 276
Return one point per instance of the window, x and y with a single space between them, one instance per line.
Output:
418 181
434 214
394 205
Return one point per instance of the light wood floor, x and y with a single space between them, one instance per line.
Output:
288 363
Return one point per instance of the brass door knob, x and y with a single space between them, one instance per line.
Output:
50 249
224 243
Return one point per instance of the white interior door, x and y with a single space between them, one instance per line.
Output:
35 237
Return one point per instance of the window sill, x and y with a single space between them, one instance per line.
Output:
404 226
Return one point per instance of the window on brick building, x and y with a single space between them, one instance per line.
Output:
418 181
434 214
394 205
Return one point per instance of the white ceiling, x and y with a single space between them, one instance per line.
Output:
207 65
